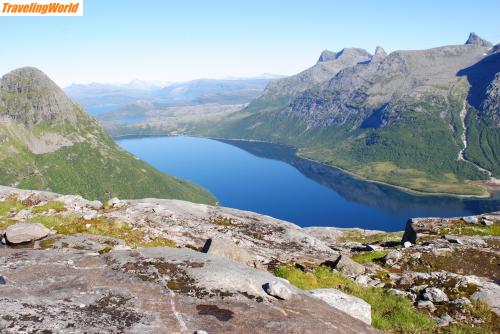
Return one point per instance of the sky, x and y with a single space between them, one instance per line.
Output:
165 40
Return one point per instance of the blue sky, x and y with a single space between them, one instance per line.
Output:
120 40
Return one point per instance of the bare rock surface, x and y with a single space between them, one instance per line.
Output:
188 224
351 305
156 290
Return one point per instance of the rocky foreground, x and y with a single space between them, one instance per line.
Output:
68 265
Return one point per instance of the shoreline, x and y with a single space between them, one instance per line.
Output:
489 193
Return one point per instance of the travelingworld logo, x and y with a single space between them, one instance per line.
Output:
41 8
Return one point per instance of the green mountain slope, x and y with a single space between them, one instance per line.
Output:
48 142
398 118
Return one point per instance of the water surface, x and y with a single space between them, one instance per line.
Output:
270 179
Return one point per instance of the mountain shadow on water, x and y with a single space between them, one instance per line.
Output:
387 198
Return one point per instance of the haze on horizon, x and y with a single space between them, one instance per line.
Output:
169 41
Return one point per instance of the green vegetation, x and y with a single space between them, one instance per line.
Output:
9 205
462 228
418 150
51 205
389 313
94 171
222 221
484 143
70 224
359 236
367 257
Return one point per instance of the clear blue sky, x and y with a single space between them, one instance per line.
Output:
120 40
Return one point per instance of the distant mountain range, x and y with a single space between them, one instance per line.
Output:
98 98
49 142
427 120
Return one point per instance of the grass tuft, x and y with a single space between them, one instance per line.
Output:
367 257
389 313
51 205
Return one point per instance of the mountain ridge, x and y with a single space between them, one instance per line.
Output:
48 142
381 118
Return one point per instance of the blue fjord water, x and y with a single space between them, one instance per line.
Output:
270 179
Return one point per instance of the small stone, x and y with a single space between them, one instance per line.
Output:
199 331
3 241
400 293
120 248
445 320
453 239
426 304
278 289
2 280
113 202
487 222
373 248
362 280
470 220
418 288
407 244
416 255
435 295
82 305
96 205
462 301
391 258
23 215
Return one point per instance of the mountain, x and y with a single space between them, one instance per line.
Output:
102 98
222 91
97 98
280 92
49 142
426 120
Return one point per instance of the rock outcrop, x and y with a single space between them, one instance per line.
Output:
355 307
156 290
476 40
23 232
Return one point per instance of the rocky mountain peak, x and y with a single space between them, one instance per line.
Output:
29 96
327 55
345 53
379 54
476 40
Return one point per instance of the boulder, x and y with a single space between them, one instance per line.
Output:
445 320
24 232
487 222
470 220
435 295
427 305
346 266
228 249
374 248
354 306
278 289
489 293
112 202
392 258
